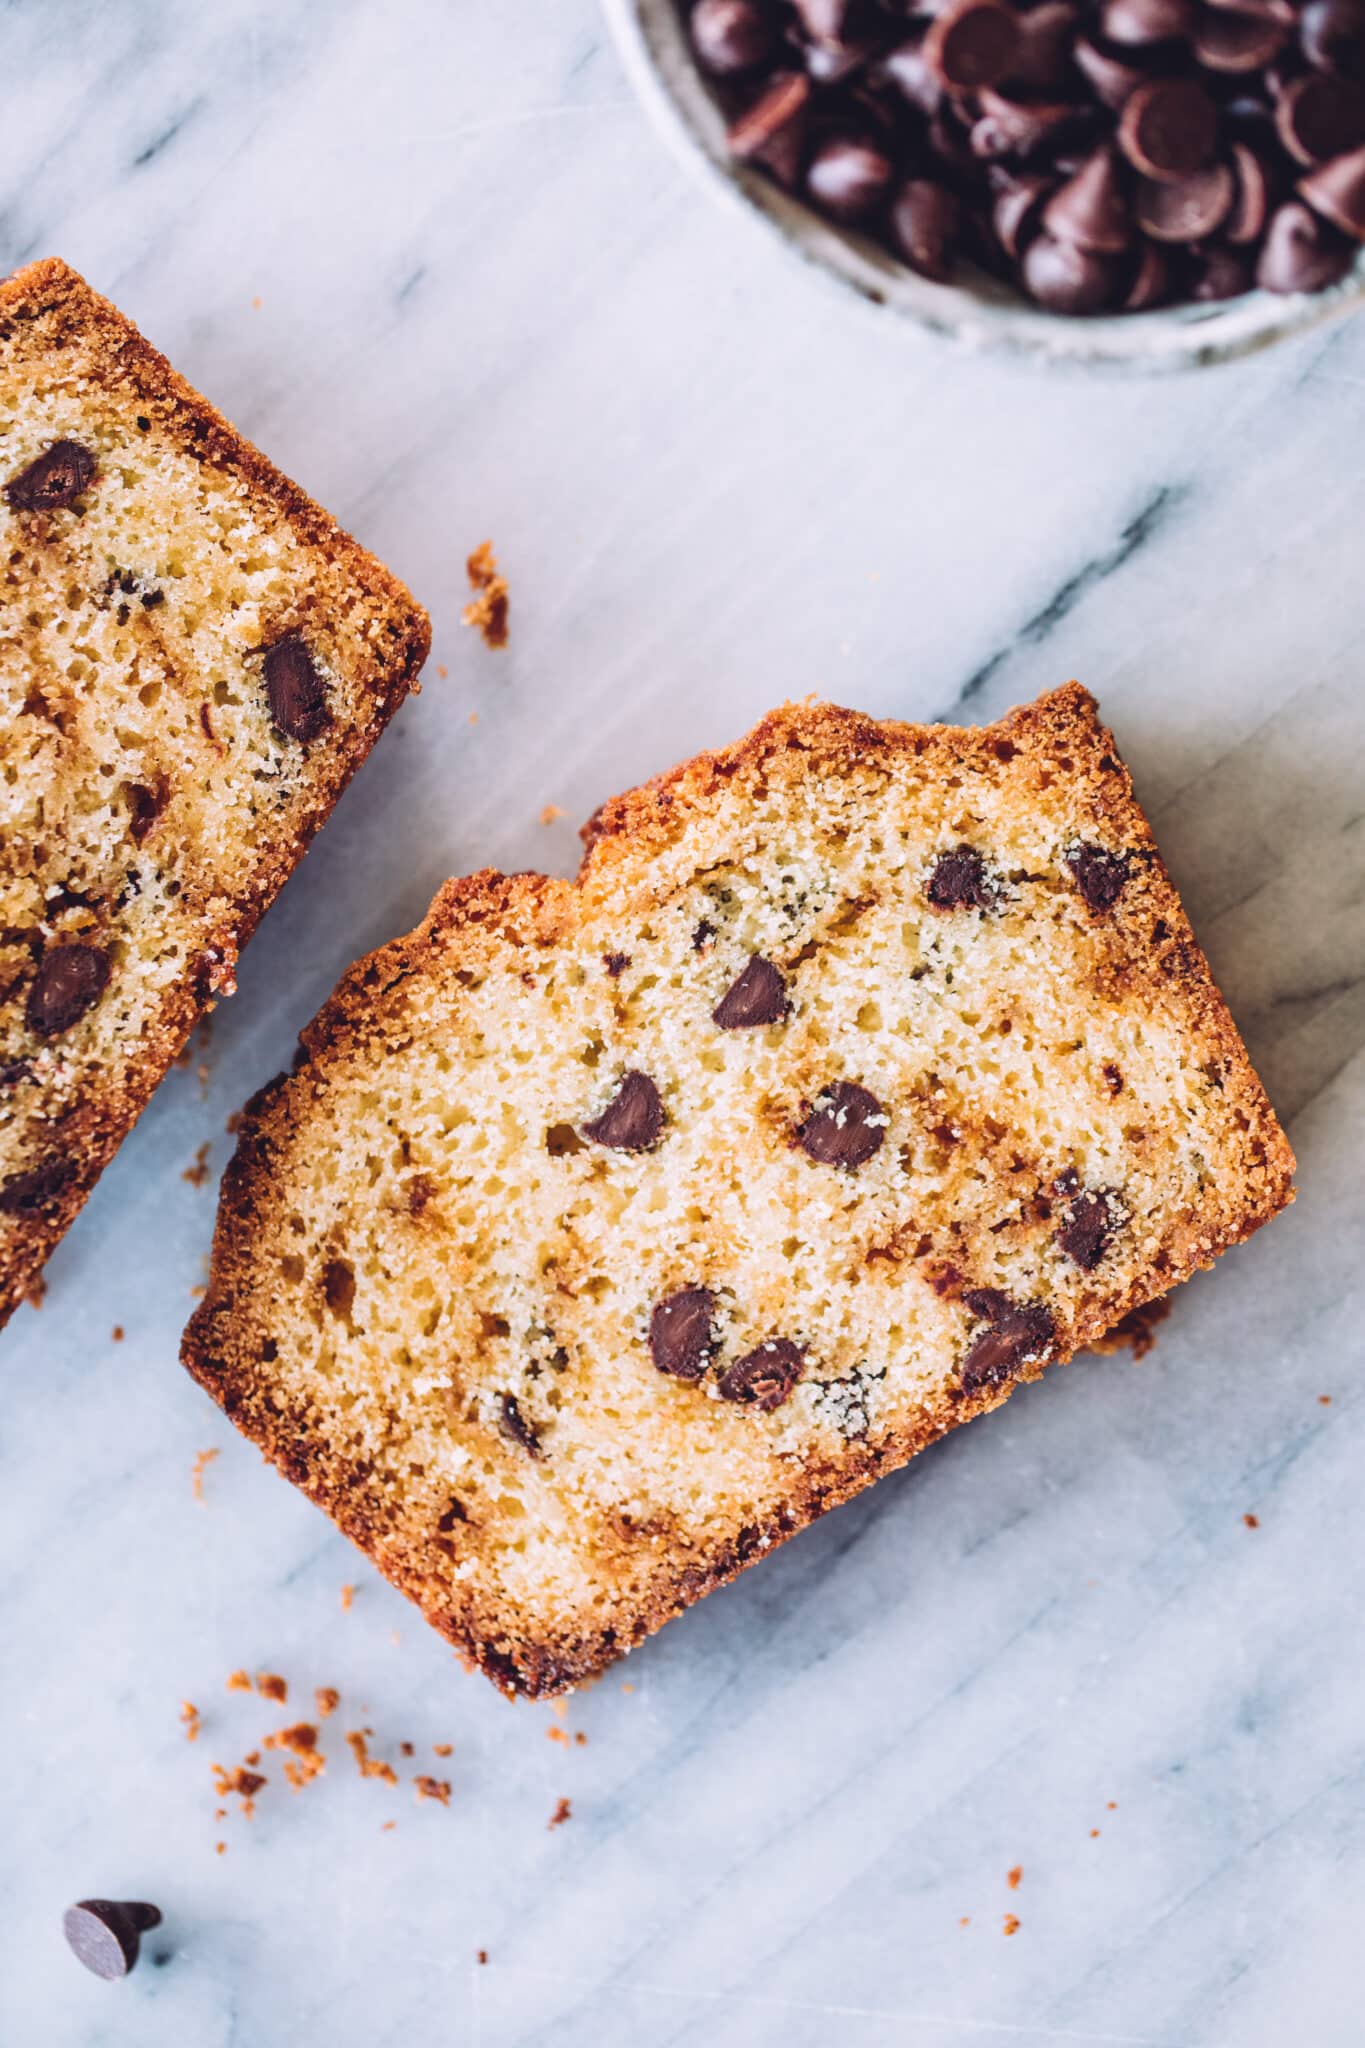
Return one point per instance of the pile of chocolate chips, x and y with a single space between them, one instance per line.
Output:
1102 155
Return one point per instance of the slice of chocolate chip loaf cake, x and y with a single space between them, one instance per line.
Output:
608 1232
194 659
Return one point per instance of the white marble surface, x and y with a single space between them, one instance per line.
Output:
429 254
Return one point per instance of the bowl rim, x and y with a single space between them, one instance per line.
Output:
653 46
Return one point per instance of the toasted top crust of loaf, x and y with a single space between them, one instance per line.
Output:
581 1259
165 765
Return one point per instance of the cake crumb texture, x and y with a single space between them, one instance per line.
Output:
607 1232
194 659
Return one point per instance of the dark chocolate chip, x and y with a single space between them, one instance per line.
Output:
1099 874
146 806
846 1125
144 425
1086 1231
927 221
151 599
1140 22
1301 252
972 43
1168 128
55 480
616 964
1111 78
1017 1334
295 691
1320 116
764 1377
682 1333
1251 207
1235 44
702 932
1090 209
105 1934
1019 128
1221 273
848 177
70 980
1014 215
732 36
1066 279
1332 36
829 21
13 1072
1336 190
1042 59
772 132
514 1426
911 73
1151 280
26 1194
957 881
757 995
633 1119
1186 209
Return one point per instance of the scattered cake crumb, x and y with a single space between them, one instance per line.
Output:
442 1748
386 1826
189 1718
271 1686
252 1757
117 1333
201 1464
965 1921
326 1700
1252 1521
1136 1330
198 1293
1011 1923
220 1848
406 1749
1094 1834
562 1812
433 1788
559 1708
473 718
369 1766
550 813
482 1956
198 1173
255 305
238 1783
347 1596
1112 1805
234 1123
627 1688
442 671
489 608
1012 1877
395 1638
556 1734
1324 1400
239 1681
35 1294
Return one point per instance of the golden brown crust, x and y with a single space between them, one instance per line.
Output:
50 298
627 861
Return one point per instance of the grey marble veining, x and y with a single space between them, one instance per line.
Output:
432 258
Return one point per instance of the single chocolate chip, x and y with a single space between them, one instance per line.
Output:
54 481
927 221
1014 216
70 980
1302 253
1251 206
1234 44
633 1119
1221 273
757 995
26 1194
151 599
1090 209
763 1378
1111 78
1018 1334
848 177
957 881
1042 59
972 43
1099 875
1151 280
13 1072
1086 1231
616 964
846 1125
702 932
1332 37
144 425
772 132
731 36
513 1425
682 1333
1186 209
910 71
295 691
146 806
1168 128
1139 22
1336 190
1320 116
104 1934
1019 128
1066 279
829 21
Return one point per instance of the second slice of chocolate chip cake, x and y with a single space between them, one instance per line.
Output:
610 1231
194 659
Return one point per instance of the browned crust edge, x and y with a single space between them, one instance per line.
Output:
219 1347
94 1132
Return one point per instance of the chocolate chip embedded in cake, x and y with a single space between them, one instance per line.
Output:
240 656
918 1085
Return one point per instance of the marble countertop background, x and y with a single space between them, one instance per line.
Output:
431 257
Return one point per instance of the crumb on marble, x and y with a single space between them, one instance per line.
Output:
1136 1331
1012 1877
203 1460
189 1720
965 1921
563 1811
442 671
550 812
488 609
347 1596
433 1788
1011 1923
385 1826
220 1848
442 1748
406 1749
481 1956
239 1681
35 1294
1324 1400
1111 1805
1252 1521
117 1333
239 1783
326 1700
271 1686
1094 1834
198 1173
369 1766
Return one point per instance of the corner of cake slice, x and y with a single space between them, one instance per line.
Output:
610 1231
194 660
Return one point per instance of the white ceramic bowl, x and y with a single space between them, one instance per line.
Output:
982 313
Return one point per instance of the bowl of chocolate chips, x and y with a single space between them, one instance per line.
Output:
1142 184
